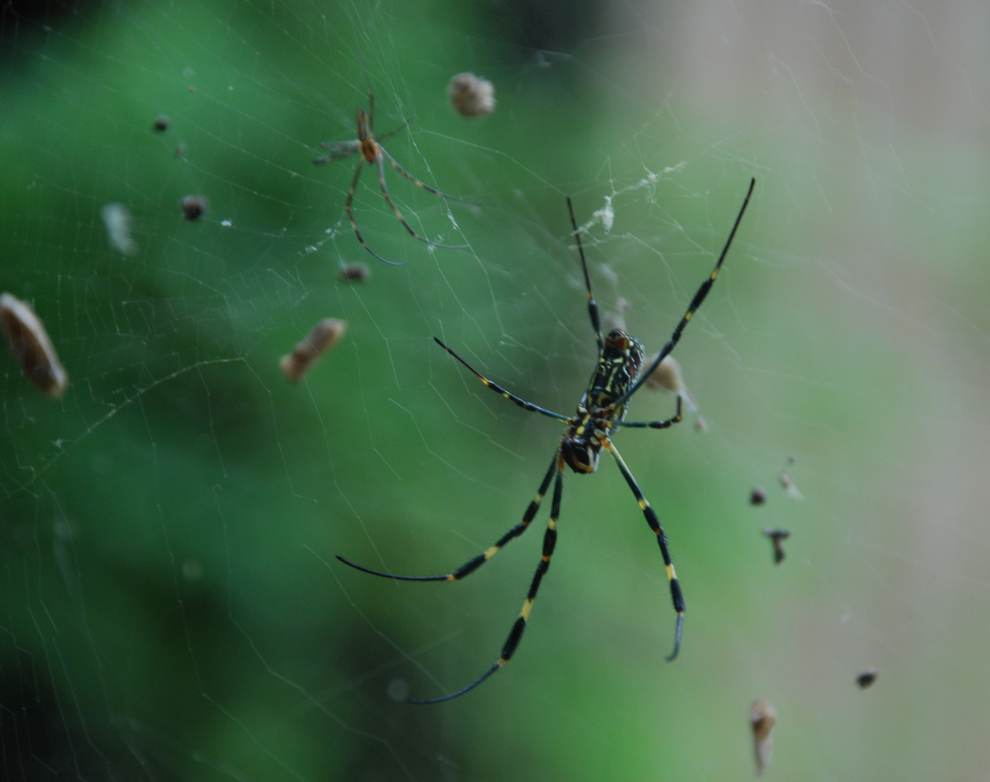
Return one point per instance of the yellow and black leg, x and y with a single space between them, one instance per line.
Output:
664 424
476 562
519 626
592 304
416 180
501 391
676 595
696 302
398 214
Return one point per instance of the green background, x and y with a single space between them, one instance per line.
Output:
171 608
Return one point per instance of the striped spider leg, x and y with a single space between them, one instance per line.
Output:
374 154
600 412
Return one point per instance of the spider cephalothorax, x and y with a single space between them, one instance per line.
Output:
618 364
602 409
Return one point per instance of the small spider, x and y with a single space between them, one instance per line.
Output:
374 154
600 411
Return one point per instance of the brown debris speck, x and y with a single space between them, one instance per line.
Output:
354 272
194 207
777 538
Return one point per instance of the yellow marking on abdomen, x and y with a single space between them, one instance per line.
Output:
671 573
552 524
490 552
527 608
643 504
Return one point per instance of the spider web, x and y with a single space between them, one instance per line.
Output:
172 608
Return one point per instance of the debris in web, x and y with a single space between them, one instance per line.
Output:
867 677
605 215
354 272
161 123
757 496
762 718
194 207
669 377
777 538
470 95
787 481
117 220
616 318
31 346
323 336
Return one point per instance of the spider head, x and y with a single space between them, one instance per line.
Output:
618 344
580 454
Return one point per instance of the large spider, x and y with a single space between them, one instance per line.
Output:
374 154
601 410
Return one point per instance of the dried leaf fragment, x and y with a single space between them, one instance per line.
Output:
762 718
470 95
323 336
31 346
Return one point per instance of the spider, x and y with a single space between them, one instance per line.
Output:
374 154
600 411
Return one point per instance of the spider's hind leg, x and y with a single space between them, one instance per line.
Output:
519 626
676 596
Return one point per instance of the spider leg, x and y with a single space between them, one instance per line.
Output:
398 214
696 302
664 424
417 181
473 564
651 519
592 304
499 390
336 150
519 626
392 132
348 208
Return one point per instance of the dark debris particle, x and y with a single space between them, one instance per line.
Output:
777 538
161 123
757 496
354 272
866 678
194 207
